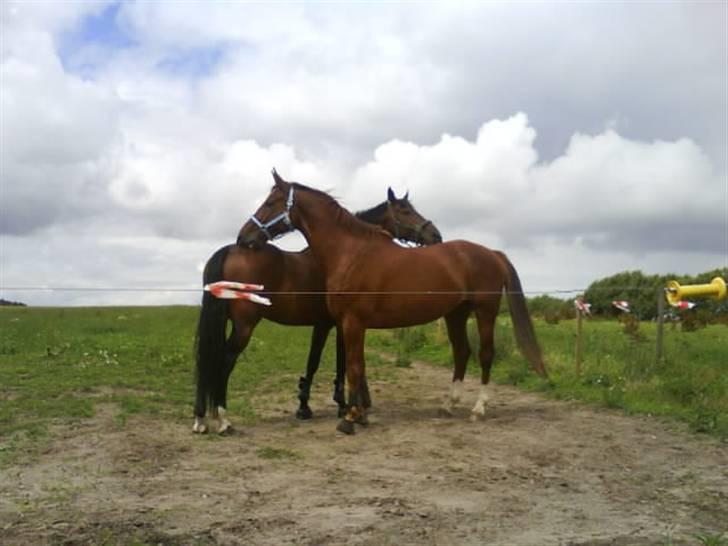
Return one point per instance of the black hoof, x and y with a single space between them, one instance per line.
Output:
304 412
362 420
342 411
347 427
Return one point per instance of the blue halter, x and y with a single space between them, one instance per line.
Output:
283 216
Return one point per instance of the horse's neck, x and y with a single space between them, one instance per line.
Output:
374 215
329 242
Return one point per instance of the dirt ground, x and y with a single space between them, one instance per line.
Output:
533 472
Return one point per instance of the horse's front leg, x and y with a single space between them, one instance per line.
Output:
318 340
340 380
353 334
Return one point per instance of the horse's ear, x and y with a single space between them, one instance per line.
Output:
277 178
390 195
406 196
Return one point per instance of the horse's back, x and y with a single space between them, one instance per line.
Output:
477 256
274 268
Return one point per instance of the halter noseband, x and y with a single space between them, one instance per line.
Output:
283 216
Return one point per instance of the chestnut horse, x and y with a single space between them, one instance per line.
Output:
295 285
373 283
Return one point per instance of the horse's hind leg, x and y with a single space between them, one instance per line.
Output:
456 322
318 340
486 315
245 318
340 379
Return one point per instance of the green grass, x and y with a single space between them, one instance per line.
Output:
277 453
59 366
712 540
62 365
618 370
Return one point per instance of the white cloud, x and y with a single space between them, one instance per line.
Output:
55 131
161 148
605 190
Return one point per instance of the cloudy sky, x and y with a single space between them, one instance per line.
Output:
583 138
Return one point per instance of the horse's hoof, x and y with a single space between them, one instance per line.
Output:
474 417
199 427
444 412
304 413
226 429
362 420
347 427
342 412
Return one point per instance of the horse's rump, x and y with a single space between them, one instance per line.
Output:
292 281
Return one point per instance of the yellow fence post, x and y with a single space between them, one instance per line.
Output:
676 293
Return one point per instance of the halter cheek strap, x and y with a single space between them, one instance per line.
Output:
421 227
282 217
418 229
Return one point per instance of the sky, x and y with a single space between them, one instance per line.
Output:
581 138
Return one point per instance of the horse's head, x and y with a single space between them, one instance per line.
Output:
273 217
404 222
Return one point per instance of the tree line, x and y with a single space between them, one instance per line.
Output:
640 290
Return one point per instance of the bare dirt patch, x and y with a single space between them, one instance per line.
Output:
533 472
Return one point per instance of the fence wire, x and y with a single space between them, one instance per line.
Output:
326 292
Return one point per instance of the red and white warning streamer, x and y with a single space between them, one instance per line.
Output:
582 306
684 304
229 290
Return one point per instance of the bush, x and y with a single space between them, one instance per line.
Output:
631 327
550 308
551 316
409 340
693 320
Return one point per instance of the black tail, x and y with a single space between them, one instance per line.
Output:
210 340
522 325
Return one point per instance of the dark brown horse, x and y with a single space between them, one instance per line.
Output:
295 285
373 283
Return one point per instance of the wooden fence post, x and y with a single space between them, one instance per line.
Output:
579 316
660 325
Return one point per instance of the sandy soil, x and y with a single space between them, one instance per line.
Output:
533 472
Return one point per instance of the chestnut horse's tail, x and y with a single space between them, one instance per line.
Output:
522 325
210 340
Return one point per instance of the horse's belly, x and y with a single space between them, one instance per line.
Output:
402 311
297 310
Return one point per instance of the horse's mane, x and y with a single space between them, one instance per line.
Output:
345 218
371 215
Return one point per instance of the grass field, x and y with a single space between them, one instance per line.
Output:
619 370
57 365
